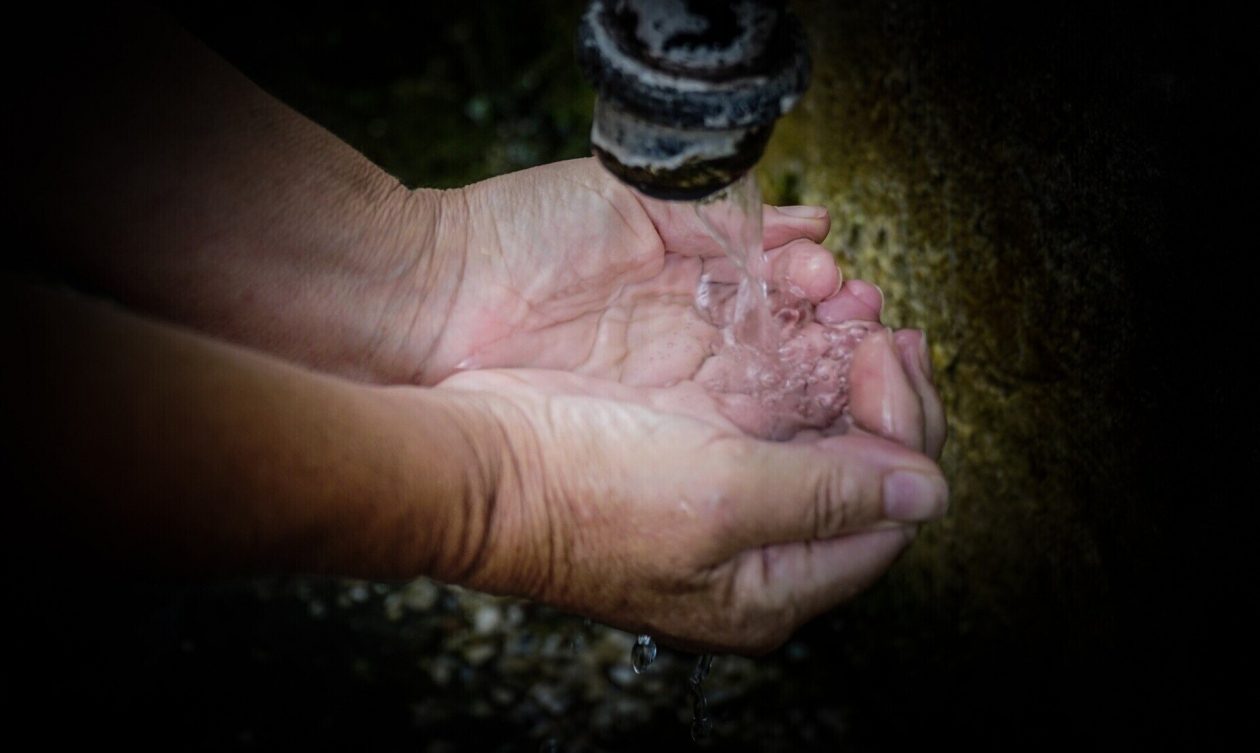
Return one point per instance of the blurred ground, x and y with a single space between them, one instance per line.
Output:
1031 186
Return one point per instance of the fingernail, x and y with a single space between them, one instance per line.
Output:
911 497
803 212
907 341
869 294
898 392
925 357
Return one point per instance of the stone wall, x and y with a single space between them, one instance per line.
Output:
1013 180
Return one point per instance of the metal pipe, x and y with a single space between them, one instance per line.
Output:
688 90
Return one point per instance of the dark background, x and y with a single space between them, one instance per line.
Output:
1058 193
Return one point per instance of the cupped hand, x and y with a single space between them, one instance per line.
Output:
631 486
562 267
647 509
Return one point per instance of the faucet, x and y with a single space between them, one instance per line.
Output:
688 90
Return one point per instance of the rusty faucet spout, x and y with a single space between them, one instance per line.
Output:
689 90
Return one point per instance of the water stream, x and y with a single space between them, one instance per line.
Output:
776 369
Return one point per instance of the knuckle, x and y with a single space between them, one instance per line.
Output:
719 512
832 501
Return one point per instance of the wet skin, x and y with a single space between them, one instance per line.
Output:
572 319
564 268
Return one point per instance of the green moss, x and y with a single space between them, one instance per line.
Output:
1000 203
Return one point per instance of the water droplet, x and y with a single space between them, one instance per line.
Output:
702 729
701 724
643 653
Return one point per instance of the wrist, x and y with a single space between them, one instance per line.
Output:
448 459
498 535
420 247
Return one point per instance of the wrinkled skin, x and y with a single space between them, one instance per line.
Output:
627 491
644 508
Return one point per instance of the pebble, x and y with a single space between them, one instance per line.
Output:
622 675
420 595
486 619
515 615
553 700
393 607
502 696
442 670
552 645
479 653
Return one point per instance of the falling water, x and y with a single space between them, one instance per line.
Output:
643 653
775 370
701 724
733 218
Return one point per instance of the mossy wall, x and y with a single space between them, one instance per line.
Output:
1014 179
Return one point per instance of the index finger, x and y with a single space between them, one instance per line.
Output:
683 231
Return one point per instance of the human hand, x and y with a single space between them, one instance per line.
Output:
563 267
598 512
647 509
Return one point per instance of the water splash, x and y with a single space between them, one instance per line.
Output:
777 370
643 653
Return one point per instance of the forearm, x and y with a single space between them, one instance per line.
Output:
171 183
156 448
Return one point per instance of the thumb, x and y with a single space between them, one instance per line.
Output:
784 493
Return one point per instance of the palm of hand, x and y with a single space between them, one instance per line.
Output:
566 269
570 273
